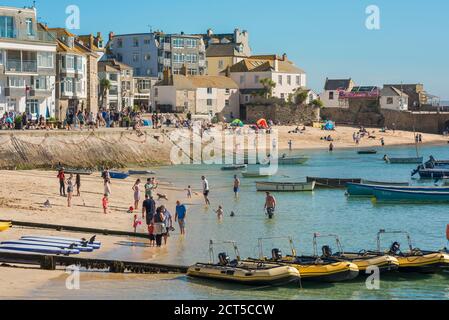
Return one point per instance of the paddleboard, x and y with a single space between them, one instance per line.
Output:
39 249
49 244
61 242
97 243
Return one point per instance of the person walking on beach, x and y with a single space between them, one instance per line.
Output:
78 184
148 209
382 142
220 213
136 189
189 192
106 175
180 217
107 187
168 222
69 190
159 226
270 205
150 186
331 147
61 177
206 190
236 186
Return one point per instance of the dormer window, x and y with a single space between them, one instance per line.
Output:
29 26
70 42
100 44
7 29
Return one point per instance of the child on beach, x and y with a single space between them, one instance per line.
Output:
136 223
152 237
105 202
220 213
189 192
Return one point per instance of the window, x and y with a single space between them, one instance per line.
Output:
156 92
113 90
192 71
17 82
298 80
178 58
147 57
191 43
191 58
289 80
29 26
68 62
78 63
256 79
209 102
389 100
209 90
137 71
32 106
331 95
1 57
67 85
119 43
228 91
242 79
136 57
220 64
136 42
178 43
113 77
280 78
40 83
11 104
246 98
144 84
146 41
227 102
7 27
45 60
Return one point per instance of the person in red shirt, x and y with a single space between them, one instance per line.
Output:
61 177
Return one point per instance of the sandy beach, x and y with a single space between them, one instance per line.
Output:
24 193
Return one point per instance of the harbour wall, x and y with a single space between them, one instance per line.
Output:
115 148
284 114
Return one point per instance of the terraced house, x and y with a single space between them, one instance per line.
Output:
27 64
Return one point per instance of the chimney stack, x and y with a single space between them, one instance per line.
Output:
111 35
276 64
284 57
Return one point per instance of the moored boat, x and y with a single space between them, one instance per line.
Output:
313 269
255 175
404 160
367 190
332 183
441 173
82 172
394 195
140 173
118 175
367 152
292 160
243 272
363 259
414 260
234 167
285 186
384 183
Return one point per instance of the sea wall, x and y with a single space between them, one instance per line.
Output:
114 147
284 114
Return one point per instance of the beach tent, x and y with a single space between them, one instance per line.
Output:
237 123
262 123
329 126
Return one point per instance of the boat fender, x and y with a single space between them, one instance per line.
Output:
276 254
224 259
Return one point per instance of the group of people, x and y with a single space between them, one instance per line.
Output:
25 121
67 185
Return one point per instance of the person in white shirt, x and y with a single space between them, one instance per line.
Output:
206 190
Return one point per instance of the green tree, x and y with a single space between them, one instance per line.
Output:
301 96
268 86
105 86
317 103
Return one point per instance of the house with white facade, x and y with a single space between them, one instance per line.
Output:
197 94
393 98
27 64
109 98
249 72
334 92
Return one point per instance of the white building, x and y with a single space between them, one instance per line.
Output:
334 90
249 72
199 95
394 99
27 64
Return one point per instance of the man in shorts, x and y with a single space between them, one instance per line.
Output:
180 217
236 186
270 205
206 190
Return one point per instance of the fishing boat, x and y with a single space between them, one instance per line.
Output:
332 183
313 269
363 259
118 175
415 260
235 167
141 173
424 173
243 272
284 160
5 226
367 190
285 186
384 183
392 195
367 152
411 160
432 163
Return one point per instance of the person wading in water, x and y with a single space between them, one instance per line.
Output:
270 205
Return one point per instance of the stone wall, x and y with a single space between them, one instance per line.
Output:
284 114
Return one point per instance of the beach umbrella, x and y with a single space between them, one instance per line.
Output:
262 123
237 123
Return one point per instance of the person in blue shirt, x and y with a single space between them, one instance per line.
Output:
180 216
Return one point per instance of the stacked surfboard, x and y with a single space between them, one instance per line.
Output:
49 245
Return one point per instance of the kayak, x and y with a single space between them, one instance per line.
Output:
38 249
5 226
50 244
95 245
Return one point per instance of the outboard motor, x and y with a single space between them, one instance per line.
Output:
224 259
327 251
276 254
395 248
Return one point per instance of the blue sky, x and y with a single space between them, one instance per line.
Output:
327 38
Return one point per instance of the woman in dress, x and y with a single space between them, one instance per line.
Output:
136 189
107 187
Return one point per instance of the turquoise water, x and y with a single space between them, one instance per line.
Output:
299 215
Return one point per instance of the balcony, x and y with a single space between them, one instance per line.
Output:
25 66
15 92
165 46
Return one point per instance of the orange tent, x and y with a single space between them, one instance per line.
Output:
263 124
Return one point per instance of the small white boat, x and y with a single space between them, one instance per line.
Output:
285 186
254 175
